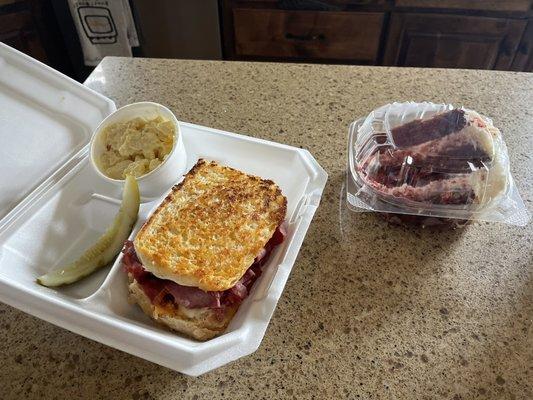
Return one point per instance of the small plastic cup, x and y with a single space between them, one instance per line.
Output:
156 182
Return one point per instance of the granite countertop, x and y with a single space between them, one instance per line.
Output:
370 311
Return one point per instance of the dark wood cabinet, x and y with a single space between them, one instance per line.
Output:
17 30
523 60
307 34
501 6
424 40
31 27
484 34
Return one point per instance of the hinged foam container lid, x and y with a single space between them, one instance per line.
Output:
46 120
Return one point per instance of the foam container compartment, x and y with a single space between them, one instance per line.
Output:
53 205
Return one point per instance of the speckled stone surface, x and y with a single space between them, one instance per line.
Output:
370 311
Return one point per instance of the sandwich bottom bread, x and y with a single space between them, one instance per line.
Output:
197 257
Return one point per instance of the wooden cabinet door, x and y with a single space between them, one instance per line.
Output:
517 6
523 60
307 34
17 30
452 41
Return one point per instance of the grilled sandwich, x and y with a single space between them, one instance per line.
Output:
196 258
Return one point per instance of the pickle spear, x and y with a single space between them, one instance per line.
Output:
107 246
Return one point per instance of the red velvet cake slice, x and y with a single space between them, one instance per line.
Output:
448 159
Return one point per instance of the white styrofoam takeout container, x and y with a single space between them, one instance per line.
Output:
156 182
53 205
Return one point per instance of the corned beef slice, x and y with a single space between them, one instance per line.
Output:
161 290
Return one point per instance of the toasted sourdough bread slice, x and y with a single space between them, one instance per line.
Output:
210 228
201 324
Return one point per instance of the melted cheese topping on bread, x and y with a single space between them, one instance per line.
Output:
210 228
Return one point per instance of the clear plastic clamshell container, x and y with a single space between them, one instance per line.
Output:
53 205
431 163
